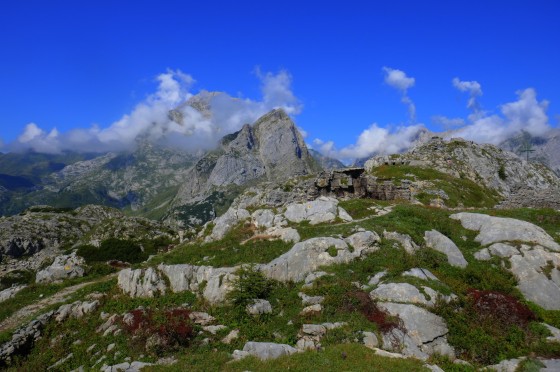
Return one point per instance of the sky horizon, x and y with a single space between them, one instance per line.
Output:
357 79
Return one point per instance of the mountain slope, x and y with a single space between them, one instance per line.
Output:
272 149
495 168
546 148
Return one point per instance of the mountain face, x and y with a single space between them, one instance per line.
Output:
140 180
546 148
272 149
495 168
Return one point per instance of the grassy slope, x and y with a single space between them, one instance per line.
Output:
276 327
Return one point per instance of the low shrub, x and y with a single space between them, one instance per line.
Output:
159 332
250 284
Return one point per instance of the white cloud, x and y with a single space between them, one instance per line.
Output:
373 140
473 88
526 113
150 118
397 79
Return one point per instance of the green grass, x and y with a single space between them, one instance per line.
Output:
343 357
227 252
461 191
358 208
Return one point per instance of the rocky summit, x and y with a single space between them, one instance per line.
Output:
254 257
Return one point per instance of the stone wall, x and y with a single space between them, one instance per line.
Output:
355 183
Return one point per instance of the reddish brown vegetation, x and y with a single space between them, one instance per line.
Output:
160 331
362 302
500 307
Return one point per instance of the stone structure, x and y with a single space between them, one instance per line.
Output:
356 183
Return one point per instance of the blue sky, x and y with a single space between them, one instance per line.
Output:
69 64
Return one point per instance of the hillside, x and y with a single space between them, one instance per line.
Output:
313 281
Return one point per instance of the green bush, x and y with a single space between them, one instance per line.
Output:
251 284
16 277
113 249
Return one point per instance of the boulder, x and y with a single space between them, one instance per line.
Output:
422 332
267 350
532 281
343 215
400 292
308 256
363 240
213 283
224 223
263 218
63 267
405 240
502 250
259 307
10 292
419 273
141 282
441 243
370 340
498 229
323 209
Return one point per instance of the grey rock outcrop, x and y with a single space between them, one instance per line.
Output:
400 292
498 229
309 255
441 243
10 292
405 240
24 337
213 283
423 332
536 267
271 149
264 350
259 307
419 273
323 209
485 164
227 221
141 282
63 267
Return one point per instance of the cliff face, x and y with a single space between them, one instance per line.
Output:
271 149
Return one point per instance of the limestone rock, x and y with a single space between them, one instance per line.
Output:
509 365
307 256
498 229
502 250
323 209
375 279
363 240
267 350
310 300
419 273
344 215
370 340
441 243
258 307
10 292
63 267
421 330
400 292
483 255
405 240
141 282
227 221
218 281
263 218
554 331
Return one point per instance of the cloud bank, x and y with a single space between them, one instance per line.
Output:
150 118
524 114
